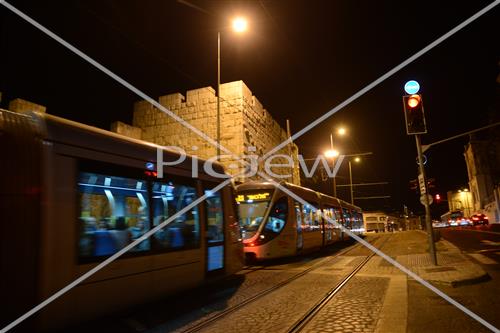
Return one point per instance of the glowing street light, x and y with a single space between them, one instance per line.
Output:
357 159
331 153
341 131
240 24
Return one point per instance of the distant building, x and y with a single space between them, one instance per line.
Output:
375 221
379 221
461 200
246 127
482 156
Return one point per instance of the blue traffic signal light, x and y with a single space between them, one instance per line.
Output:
414 114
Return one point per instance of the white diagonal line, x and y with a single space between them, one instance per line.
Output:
114 76
385 256
110 259
383 77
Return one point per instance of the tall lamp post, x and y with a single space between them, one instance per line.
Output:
332 153
340 131
357 159
239 26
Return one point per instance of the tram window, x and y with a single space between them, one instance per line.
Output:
169 197
113 212
317 220
308 217
277 216
215 217
311 218
331 221
347 217
338 216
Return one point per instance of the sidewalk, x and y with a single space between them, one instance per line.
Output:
410 249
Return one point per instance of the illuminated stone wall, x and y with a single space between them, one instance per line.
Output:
244 123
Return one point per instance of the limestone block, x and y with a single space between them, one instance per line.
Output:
198 94
126 130
171 100
22 106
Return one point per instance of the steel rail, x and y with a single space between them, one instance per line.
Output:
218 316
300 324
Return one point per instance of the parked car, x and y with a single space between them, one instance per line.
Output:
479 219
439 224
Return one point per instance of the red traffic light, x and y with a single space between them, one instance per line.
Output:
438 197
413 101
414 114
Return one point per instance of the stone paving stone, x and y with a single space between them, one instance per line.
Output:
278 311
354 309
254 283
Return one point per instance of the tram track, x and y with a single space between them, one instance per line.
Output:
300 324
205 323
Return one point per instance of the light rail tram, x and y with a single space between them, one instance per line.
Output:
274 224
72 195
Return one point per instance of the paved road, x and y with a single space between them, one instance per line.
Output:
483 240
429 313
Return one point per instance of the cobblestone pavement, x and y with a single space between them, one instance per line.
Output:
354 309
254 283
255 280
277 311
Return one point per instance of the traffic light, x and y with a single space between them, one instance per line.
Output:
414 114
438 198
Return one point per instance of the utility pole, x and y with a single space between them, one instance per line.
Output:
425 197
218 96
350 182
415 125
333 166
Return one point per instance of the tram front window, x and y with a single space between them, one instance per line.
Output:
252 208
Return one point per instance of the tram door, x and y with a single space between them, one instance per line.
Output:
298 216
214 232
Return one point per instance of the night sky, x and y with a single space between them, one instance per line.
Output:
300 58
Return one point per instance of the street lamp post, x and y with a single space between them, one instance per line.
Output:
356 159
350 180
239 26
333 167
218 95
341 131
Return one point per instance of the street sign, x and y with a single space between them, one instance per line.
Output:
412 87
421 183
422 198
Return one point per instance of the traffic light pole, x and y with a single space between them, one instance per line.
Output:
425 196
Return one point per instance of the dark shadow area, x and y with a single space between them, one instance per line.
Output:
180 309
152 314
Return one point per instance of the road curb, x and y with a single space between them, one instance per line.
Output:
461 282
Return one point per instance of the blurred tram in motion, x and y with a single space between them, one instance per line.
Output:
73 195
274 225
